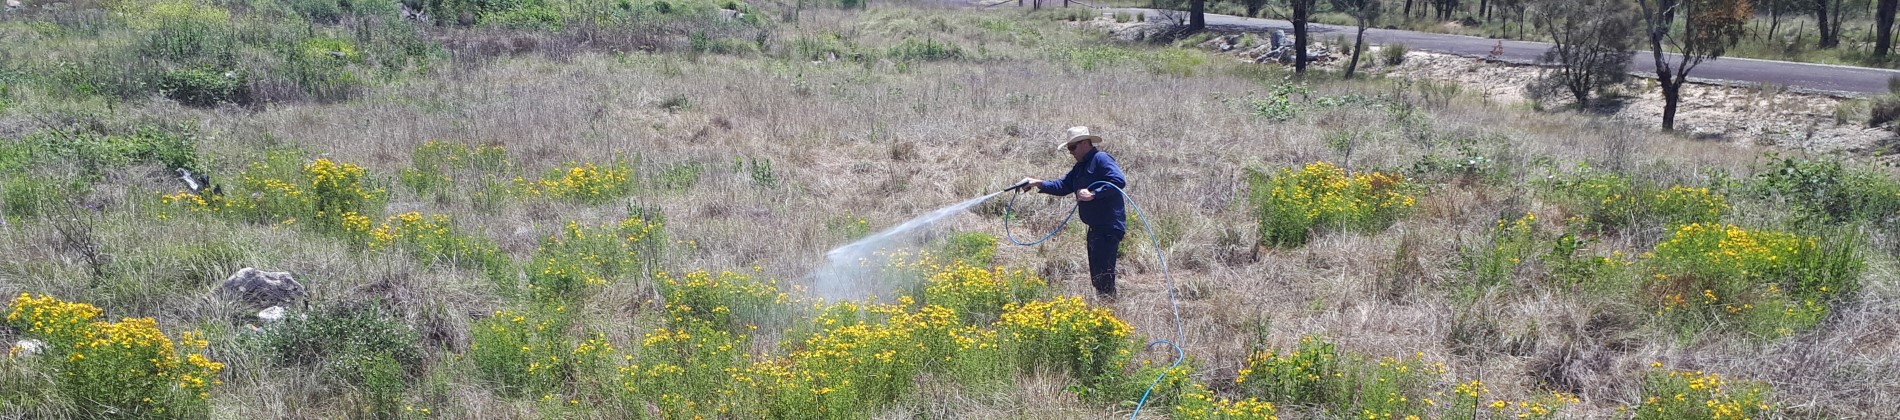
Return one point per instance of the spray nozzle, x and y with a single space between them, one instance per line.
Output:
1019 184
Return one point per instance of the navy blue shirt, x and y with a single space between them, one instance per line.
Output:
1105 211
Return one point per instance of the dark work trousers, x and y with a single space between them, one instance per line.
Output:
1103 242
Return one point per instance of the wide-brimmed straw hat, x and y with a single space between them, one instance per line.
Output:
1078 134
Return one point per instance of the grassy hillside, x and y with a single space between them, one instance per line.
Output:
611 209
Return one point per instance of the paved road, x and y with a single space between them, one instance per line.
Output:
1844 80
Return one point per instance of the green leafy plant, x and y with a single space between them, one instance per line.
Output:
1678 394
1290 205
1766 282
204 88
126 368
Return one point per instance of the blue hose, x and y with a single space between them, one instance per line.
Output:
1174 304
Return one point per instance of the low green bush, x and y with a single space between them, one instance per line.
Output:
436 164
1290 205
1679 394
926 49
204 88
127 368
361 348
1065 334
1316 374
977 249
1393 54
530 352
1762 282
735 301
1828 190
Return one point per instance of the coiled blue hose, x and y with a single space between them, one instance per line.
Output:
1174 304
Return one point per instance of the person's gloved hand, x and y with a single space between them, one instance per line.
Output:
1084 195
1030 184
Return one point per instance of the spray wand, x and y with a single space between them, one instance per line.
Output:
1019 184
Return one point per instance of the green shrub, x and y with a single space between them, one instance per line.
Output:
529 352
1884 110
1829 191
1092 58
23 196
847 227
1512 244
1605 198
123 369
94 153
534 15
679 176
977 249
1393 54
1289 206
761 171
204 88
435 240
362 348
707 43
1763 282
587 183
925 49
1317 375
1279 103
1310 375
337 334
1066 334
327 196
978 294
825 46
579 259
182 30
1680 394
326 12
1570 264
1176 62
320 67
1681 205
726 299
436 164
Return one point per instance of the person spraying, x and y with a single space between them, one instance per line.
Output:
1099 207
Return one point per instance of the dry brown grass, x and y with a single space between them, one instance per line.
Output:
867 140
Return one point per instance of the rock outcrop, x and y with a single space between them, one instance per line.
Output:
262 289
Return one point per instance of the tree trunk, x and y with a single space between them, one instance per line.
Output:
1657 23
1484 10
1408 10
1774 23
1830 35
1302 10
1672 96
1197 15
1358 44
1883 27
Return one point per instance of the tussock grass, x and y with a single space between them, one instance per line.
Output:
839 123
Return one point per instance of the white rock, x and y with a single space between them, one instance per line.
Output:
27 348
271 314
262 289
13 4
